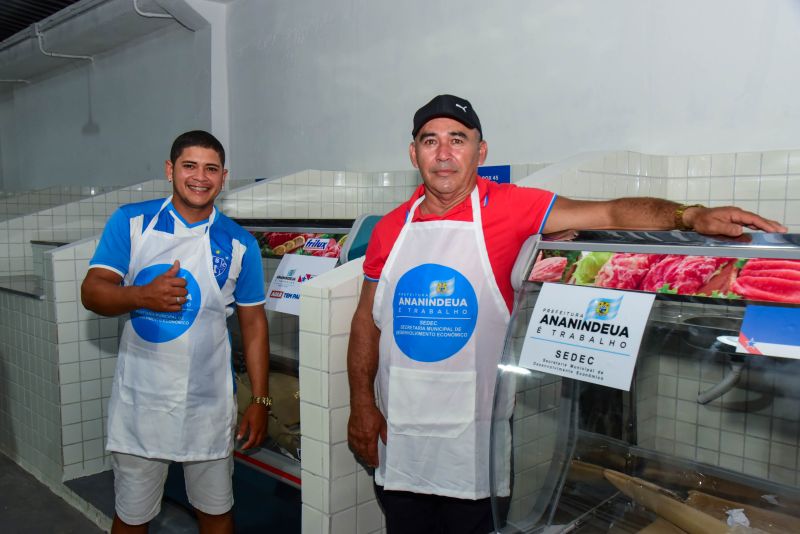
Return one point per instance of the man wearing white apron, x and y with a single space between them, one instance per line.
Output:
428 332
177 266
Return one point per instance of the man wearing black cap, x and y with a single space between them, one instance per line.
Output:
428 332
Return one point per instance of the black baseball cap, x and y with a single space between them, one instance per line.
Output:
448 106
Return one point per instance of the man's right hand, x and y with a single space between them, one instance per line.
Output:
102 292
365 425
166 293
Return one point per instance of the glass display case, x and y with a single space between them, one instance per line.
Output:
317 245
701 435
279 455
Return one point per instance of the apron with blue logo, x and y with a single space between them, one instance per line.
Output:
443 322
172 395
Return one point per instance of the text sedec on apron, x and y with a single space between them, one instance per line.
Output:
172 395
443 322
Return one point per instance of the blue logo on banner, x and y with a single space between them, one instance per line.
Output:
160 327
435 311
603 309
496 173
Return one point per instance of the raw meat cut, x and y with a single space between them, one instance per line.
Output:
684 275
720 282
548 269
626 271
770 280
767 288
757 264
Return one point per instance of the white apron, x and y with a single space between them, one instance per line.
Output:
443 322
172 396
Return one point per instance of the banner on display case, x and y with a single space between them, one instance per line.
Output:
717 277
586 333
283 294
771 331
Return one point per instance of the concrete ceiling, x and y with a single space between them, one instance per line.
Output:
85 28
16 15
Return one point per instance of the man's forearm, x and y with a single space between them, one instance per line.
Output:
109 299
102 293
366 424
362 350
647 213
643 213
255 343
258 369
362 360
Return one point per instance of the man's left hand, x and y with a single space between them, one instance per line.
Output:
253 425
728 220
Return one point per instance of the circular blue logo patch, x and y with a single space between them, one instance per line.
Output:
218 264
435 311
160 327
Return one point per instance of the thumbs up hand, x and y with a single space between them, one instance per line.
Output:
167 292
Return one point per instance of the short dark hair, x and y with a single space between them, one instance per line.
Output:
199 138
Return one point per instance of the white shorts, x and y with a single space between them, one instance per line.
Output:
139 486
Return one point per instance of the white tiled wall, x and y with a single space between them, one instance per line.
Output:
30 404
338 494
58 357
87 355
65 223
321 194
765 182
752 429
331 194
15 204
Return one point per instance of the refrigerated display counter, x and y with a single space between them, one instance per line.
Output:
317 242
650 382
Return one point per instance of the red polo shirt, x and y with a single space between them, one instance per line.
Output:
509 215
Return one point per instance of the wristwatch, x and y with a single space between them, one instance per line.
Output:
679 211
266 401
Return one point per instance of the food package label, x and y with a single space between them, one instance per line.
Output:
283 294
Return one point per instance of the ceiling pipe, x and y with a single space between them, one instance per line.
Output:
70 12
15 81
150 15
40 37
55 19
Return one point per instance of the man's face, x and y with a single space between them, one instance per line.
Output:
197 178
447 154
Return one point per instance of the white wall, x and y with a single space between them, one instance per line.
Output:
8 163
143 94
334 85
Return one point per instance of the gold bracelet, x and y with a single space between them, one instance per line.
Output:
679 224
266 401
